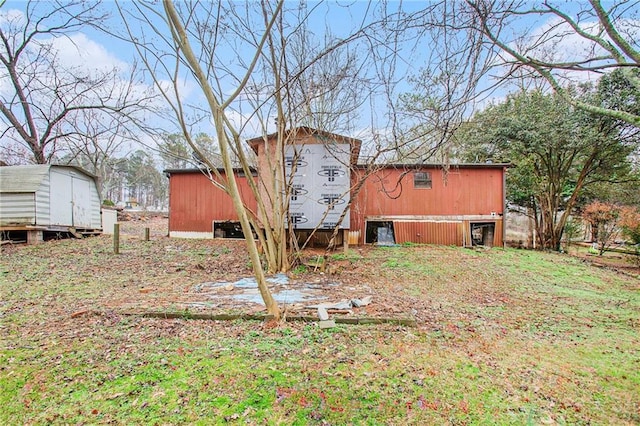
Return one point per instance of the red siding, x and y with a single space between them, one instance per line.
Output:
465 194
390 192
194 202
464 191
445 233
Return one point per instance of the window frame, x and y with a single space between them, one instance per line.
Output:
422 183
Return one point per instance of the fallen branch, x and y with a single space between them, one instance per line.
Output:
81 313
409 322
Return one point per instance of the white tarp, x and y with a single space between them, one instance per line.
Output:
321 184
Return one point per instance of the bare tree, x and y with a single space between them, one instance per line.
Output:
259 70
44 100
188 42
452 82
574 39
100 139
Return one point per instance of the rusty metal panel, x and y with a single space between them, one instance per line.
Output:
466 234
194 202
497 236
444 233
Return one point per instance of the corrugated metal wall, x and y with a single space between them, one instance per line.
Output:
194 202
49 197
457 196
73 199
43 203
17 208
96 206
445 233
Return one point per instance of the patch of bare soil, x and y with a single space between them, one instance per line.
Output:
133 223
627 264
209 277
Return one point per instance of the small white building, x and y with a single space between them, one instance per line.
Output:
48 198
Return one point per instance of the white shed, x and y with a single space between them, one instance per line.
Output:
48 198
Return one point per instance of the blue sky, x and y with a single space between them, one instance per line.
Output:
340 18
95 49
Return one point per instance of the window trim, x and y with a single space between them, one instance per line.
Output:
420 182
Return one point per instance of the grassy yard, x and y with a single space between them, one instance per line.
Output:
503 337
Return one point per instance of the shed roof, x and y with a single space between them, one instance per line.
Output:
22 178
28 178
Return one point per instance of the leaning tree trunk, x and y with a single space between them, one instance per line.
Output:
217 111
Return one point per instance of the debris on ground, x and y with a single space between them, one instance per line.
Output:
343 305
246 290
327 324
323 315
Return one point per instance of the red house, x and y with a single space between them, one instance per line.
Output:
199 209
461 204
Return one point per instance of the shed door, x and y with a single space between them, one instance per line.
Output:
81 188
61 198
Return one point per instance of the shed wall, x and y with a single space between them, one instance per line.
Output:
43 205
61 199
74 199
96 206
54 195
17 209
194 202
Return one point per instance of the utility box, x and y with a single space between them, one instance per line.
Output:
109 218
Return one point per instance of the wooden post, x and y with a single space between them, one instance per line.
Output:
146 234
34 237
345 240
116 238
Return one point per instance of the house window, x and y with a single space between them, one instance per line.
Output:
380 232
422 180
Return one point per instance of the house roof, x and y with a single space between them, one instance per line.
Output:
451 166
169 172
28 178
291 134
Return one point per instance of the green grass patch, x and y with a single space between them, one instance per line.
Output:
504 337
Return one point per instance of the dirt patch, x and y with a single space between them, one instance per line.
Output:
203 276
627 264
134 223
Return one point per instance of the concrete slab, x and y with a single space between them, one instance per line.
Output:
327 324
322 314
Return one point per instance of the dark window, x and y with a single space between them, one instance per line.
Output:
422 180
482 234
227 230
380 233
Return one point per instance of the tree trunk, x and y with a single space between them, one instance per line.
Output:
217 112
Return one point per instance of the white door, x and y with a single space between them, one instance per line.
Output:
61 198
81 202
